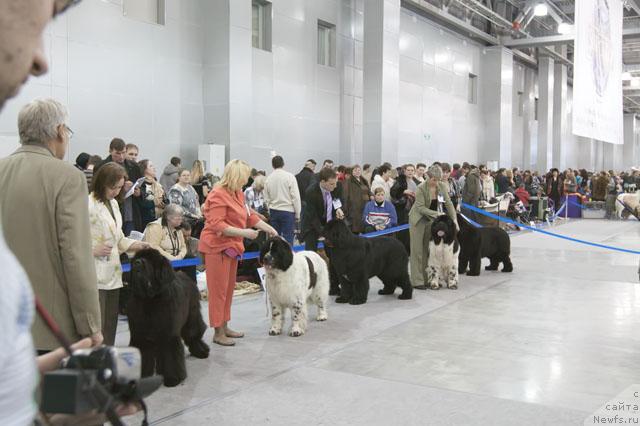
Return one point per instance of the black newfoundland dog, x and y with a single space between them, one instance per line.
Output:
476 243
164 310
357 259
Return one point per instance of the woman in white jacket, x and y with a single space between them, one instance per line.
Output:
108 242
488 186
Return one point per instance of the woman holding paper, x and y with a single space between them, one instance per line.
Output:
108 242
152 197
183 194
227 221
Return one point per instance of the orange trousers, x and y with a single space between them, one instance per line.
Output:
221 281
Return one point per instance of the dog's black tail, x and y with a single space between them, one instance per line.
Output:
313 277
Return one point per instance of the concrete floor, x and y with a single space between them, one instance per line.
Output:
548 344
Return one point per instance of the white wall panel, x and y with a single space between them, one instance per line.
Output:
442 125
122 77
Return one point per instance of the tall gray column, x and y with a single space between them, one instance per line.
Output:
629 148
497 100
587 153
227 76
560 116
381 86
350 42
545 113
528 118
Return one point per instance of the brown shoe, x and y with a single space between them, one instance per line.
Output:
224 342
233 334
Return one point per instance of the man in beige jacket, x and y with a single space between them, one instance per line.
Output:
45 218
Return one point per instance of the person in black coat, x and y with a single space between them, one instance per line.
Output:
403 195
130 207
314 218
305 176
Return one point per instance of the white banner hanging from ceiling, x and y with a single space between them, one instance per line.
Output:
597 71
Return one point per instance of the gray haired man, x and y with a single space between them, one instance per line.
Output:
45 218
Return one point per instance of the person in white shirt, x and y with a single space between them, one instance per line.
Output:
383 180
282 197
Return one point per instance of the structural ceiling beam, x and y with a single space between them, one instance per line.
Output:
521 43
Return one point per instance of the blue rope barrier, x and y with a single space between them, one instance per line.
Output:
576 204
559 212
126 267
476 224
551 234
386 231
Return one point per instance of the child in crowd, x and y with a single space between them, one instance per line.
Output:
190 241
379 214
192 248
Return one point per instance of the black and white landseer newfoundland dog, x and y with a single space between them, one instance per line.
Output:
164 310
476 243
442 266
294 280
357 259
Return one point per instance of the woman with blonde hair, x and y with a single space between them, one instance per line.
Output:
227 221
199 181
197 171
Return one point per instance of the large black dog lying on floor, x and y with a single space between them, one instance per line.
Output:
357 259
163 311
476 243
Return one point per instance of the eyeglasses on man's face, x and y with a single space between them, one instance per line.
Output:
69 131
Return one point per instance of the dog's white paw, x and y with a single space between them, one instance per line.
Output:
322 317
453 287
434 286
275 331
296 332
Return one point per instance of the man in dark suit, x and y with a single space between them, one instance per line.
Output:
130 207
322 204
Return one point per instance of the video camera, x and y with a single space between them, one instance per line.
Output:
97 379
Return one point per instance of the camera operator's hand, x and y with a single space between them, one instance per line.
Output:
96 339
50 362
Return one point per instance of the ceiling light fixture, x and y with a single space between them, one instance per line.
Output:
564 28
541 9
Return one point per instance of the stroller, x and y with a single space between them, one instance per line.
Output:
517 211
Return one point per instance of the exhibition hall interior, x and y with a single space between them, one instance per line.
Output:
320 212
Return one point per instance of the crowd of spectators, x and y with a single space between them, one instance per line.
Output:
63 243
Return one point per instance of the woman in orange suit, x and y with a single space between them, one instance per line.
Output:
228 221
